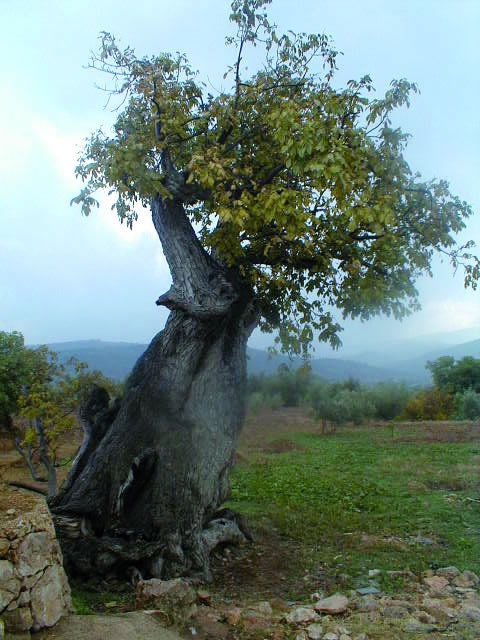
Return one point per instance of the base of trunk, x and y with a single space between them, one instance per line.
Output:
125 554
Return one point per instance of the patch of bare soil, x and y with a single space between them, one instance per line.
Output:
267 430
447 432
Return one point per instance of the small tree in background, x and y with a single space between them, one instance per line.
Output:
39 400
467 405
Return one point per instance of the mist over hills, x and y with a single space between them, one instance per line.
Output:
116 359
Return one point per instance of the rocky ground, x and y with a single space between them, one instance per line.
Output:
443 604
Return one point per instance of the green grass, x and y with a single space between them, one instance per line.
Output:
357 499
88 602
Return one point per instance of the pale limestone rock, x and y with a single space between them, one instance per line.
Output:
472 598
330 636
467 579
264 608
469 612
337 603
367 604
426 618
4 547
448 572
302 614
315 631
439 608
437 584
34 553
50 598
175 596
10 584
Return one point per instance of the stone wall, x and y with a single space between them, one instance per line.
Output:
34 591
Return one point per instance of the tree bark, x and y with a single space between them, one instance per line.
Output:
153 470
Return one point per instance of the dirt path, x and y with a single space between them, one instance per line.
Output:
135 625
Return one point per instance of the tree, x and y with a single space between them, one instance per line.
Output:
455 377
14 374
43 395
272 201
50 403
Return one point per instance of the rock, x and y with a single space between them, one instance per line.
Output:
365 591
335 604
439 608
50 598
4 547
302 614
34 553
374 573
33 584
318 595
448 572
472 598
10 584
395 612
264 608
367 604
467 579
204 597
361 636
314 631
232 616
11 512
19 619
344 637
330 636
469 612
176 597
437 584
301 635
414 626
426 618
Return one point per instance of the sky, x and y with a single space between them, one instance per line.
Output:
67 277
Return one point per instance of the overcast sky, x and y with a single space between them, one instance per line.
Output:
65 277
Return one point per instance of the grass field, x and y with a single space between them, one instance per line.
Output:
389 497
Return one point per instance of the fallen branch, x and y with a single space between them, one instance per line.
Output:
30 486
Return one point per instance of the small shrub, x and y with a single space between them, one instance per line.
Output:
428 404
467 405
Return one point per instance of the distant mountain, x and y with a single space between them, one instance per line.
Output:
113 359
116 360
333 369
414 368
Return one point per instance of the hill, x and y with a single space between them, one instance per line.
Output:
116 359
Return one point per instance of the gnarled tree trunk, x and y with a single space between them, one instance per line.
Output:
147 483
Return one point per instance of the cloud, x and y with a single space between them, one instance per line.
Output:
451 314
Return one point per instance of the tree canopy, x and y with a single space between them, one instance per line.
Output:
456 377
299 185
